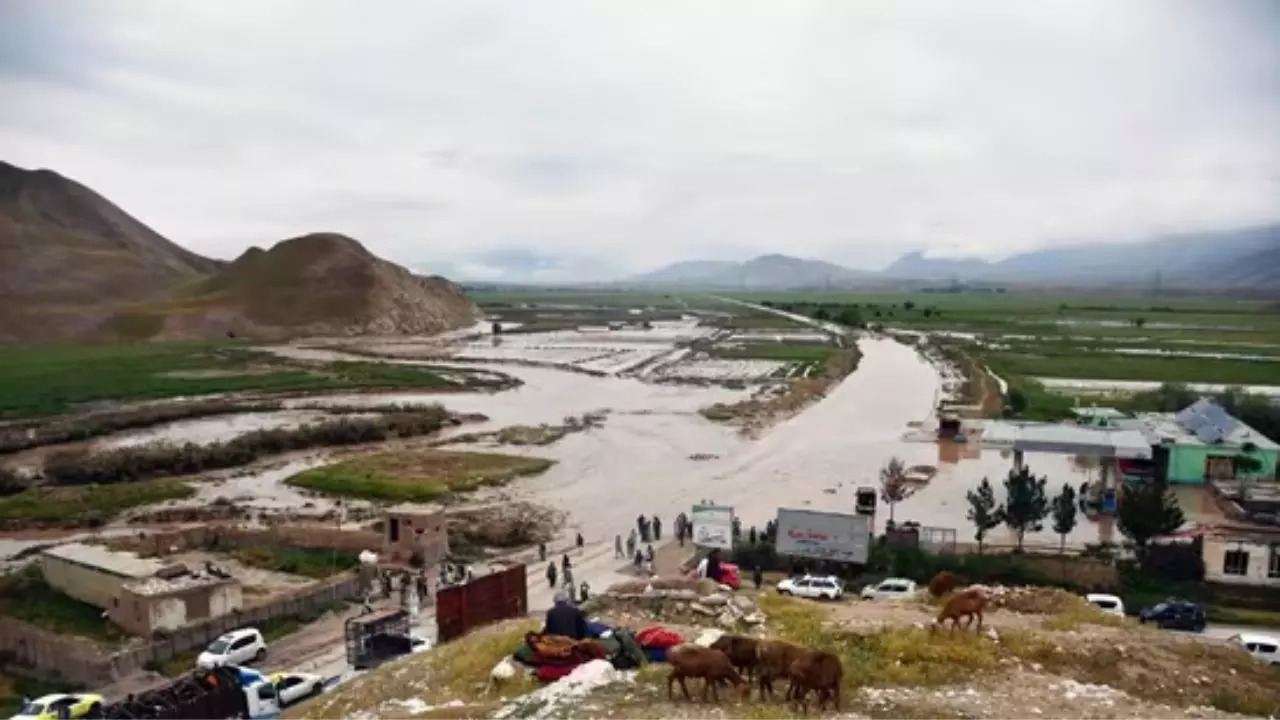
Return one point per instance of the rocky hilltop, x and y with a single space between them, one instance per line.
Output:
67 255
75 266
318 284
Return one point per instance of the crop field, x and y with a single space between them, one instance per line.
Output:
1025 337
705 341
51 379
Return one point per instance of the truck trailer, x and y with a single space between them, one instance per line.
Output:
222 692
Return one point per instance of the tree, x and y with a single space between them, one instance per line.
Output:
1017 401
1148 510
821 315
1139 322
1064 515
983 511
908 306
1025 503
893 483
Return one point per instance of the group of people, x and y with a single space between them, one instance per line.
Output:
576 593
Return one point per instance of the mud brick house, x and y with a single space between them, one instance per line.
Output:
416 530
141 595
93 573
167 604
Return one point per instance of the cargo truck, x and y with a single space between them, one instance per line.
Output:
222 692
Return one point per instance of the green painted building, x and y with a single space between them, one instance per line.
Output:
1204 443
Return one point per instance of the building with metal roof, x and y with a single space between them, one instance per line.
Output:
1203 442
1109 442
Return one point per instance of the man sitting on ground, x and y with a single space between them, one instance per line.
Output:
564 618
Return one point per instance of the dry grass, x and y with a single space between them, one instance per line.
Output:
458 671
417 475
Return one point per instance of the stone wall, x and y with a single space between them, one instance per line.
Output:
32 651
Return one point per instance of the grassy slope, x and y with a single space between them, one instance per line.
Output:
417 476
80 505
26 596
48 379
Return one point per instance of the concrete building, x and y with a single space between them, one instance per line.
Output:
141 595
147 605
1203 443
416 529
1242 559
92 573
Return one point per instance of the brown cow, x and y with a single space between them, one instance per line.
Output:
942 583
819 671
688 660
741 651
774 659
968 603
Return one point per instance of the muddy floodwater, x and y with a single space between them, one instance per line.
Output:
656 455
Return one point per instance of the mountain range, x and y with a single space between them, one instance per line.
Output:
75 266
1244 259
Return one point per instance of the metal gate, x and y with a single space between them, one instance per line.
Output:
486 599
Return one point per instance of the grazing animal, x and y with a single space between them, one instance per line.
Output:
942 583
819 671
968 604
773 662
694 661
740 650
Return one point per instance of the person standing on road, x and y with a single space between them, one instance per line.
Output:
542 552
579 541
584 591
631 544
757 577
617 547
638 559
551 575
657 529
641 527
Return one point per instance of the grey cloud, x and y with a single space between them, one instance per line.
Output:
617 137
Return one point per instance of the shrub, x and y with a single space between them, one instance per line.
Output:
79 467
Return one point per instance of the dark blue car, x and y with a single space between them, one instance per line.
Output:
1174 615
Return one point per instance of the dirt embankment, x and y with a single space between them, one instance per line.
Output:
775 403
1043 653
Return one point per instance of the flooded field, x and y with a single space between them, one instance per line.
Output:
1107 387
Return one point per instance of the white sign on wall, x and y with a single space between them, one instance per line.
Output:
712 526
824 535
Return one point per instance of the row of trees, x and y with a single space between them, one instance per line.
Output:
1147 509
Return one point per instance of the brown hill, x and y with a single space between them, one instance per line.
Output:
67 255
319 284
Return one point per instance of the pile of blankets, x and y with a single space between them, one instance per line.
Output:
552 657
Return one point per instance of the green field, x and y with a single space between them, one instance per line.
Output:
418 475
50 379
81 505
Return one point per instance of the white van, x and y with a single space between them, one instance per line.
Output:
1264 647
1109 604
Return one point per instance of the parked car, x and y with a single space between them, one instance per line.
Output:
1264 647
890 589
295 686
1109 604
59 705
234 648
820 587
1175 615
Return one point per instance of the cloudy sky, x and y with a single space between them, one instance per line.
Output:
553 140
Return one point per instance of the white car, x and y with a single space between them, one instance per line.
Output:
1109 604
1264 647
295 686
820 587
889 589
237 647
